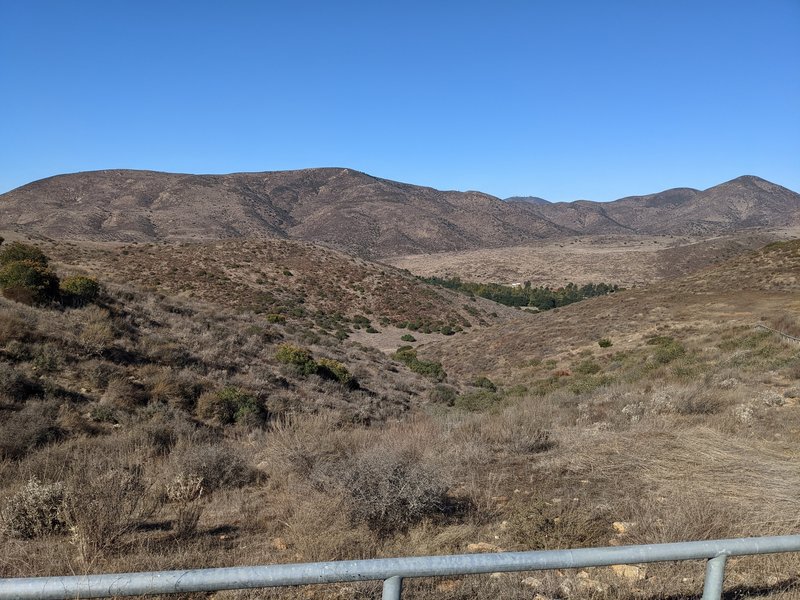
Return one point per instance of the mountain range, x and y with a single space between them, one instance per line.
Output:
362 214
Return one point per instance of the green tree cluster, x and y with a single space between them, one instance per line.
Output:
543 298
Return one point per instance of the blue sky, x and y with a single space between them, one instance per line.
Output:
563 100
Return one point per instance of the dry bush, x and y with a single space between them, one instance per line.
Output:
218 466
124 394
184 491
35 425
13 328
15 385
519 430
105 500
295 445
35 511
390 484
97 332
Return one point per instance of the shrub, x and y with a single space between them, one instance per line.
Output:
231 405
19 252
184 491
485 383
605 343
443 394
407 337
276 318
103 503
34 511
15 385
28 282
33 426
667 349
587 367
477 401
390 489
333 369
217 466
124 394
79 290
298 358
408 356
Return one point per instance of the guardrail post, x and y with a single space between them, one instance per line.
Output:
715 575
392 588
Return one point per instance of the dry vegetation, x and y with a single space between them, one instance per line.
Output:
220 438
627 260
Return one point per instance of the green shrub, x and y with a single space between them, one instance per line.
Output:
18 252
333 369
408 356
477 401
443 394
485 383
299 358
231 405
79 290
407 337
371 329
587 367
28 282
605 343
667 350
447 330
276 318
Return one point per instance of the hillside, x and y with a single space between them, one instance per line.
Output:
361 214
744 202
347 209
740 292
204 411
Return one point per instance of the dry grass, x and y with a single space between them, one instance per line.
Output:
686 428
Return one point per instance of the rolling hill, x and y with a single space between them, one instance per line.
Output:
361 214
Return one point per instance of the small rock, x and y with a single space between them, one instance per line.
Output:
629 572
503 525
622 527
533 582
582 575
772 580
497 575
483 547
279 544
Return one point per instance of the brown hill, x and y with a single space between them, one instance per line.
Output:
362 214
347 209
741 203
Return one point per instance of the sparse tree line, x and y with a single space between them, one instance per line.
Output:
26 276
543 298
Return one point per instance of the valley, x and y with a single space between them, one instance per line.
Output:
265 377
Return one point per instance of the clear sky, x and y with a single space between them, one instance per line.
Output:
564 100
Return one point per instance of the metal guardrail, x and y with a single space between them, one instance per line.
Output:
393 570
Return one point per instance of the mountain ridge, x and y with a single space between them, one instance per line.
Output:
362 214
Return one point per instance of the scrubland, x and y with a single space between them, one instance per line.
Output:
156 429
